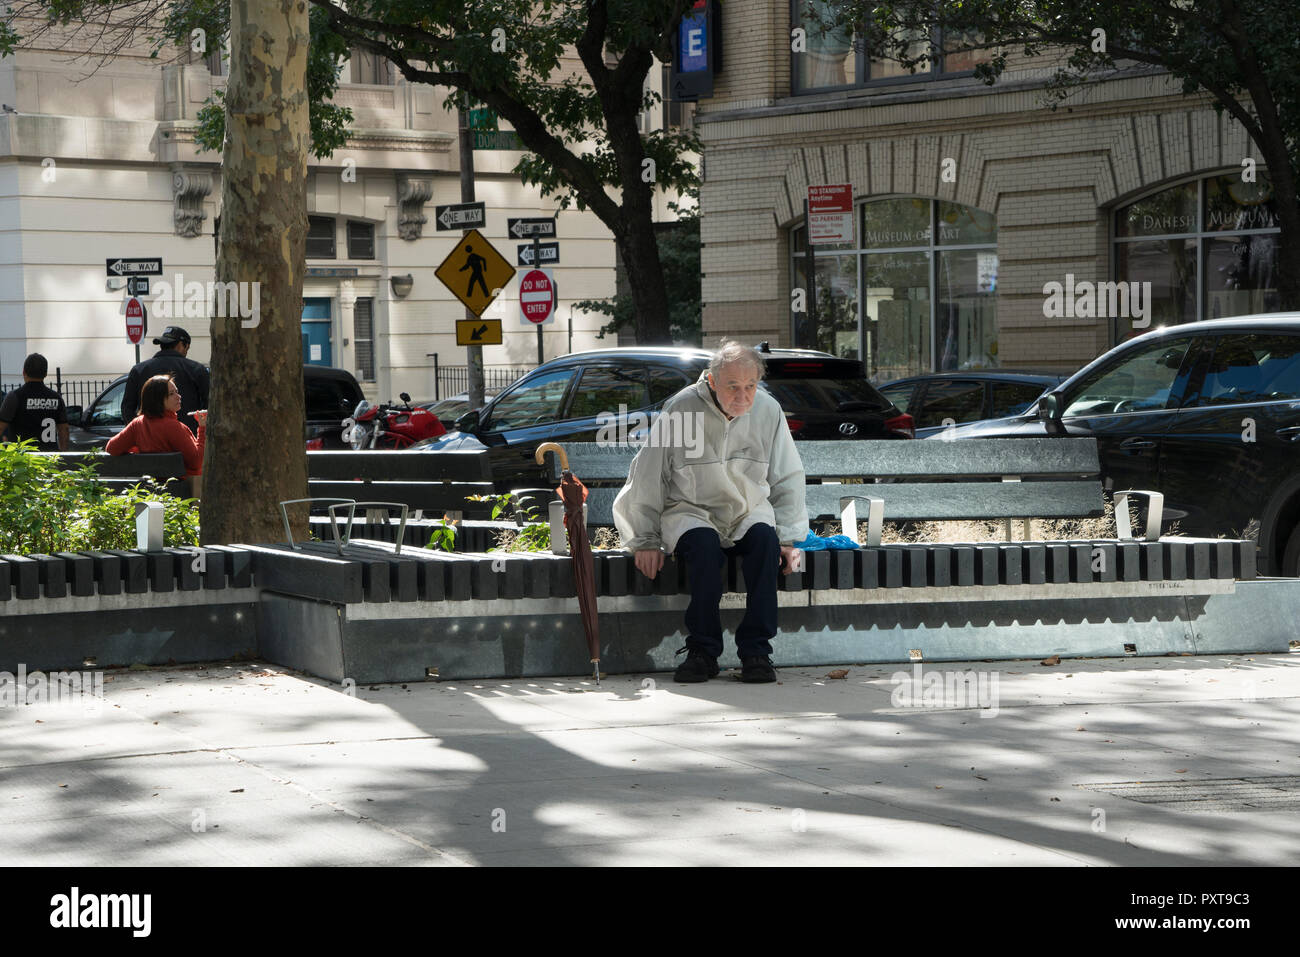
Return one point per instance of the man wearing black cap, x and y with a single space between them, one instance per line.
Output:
191 377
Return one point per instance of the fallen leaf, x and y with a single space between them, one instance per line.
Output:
1056 799
237 791
938 787
838 673
1180 771
981 777
1080 728
1054 660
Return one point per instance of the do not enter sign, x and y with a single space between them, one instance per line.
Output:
134 320
537 295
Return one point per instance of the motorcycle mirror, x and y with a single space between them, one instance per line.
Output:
405 397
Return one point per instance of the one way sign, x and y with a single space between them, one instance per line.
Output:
536 226
133 267
548 253
461 216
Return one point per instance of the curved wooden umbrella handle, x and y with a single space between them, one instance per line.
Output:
545 447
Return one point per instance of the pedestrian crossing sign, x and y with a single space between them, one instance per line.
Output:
475 272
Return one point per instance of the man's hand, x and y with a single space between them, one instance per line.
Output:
788 556
649 561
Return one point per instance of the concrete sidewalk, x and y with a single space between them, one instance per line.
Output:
246 764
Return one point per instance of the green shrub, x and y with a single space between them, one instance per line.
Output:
46 509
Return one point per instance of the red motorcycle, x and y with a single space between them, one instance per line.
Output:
389 426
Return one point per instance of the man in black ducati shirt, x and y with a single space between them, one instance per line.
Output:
34 411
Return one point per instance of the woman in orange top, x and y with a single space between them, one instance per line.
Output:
156 428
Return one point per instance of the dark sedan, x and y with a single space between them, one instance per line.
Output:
954 398
1208 413
571 399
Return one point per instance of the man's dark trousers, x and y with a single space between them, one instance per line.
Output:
705 557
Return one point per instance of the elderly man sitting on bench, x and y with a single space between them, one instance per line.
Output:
719 476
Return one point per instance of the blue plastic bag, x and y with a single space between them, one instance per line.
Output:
816 543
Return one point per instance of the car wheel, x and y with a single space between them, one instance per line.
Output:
1291 556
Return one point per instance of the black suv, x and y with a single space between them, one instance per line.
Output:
1207 413
568 399
331 394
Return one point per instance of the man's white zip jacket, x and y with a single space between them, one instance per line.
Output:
698 470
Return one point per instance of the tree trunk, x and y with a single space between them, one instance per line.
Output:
634 232
255 455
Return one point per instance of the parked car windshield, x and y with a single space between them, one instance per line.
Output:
1142 382
534 402
108 410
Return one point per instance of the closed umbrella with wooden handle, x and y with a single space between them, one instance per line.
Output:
573 494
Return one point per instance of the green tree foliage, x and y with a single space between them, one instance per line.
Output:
679 252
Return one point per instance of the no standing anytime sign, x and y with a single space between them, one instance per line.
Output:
830 214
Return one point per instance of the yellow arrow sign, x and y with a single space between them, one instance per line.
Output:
475 272
478 332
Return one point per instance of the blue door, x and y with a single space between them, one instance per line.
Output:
316 332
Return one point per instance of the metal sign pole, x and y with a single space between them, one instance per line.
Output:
537 252
810 324
474 354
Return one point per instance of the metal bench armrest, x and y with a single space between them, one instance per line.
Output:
352 512
849 517
1155 512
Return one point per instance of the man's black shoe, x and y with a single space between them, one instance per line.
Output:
696 668
756 671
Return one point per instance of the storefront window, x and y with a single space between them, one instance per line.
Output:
898 316
966 320
900 302
890 223
1216 255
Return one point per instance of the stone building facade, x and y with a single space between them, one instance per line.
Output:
99 161
969 202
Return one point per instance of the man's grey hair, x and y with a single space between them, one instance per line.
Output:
732 351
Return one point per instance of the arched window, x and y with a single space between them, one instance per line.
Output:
915 292
1208 247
